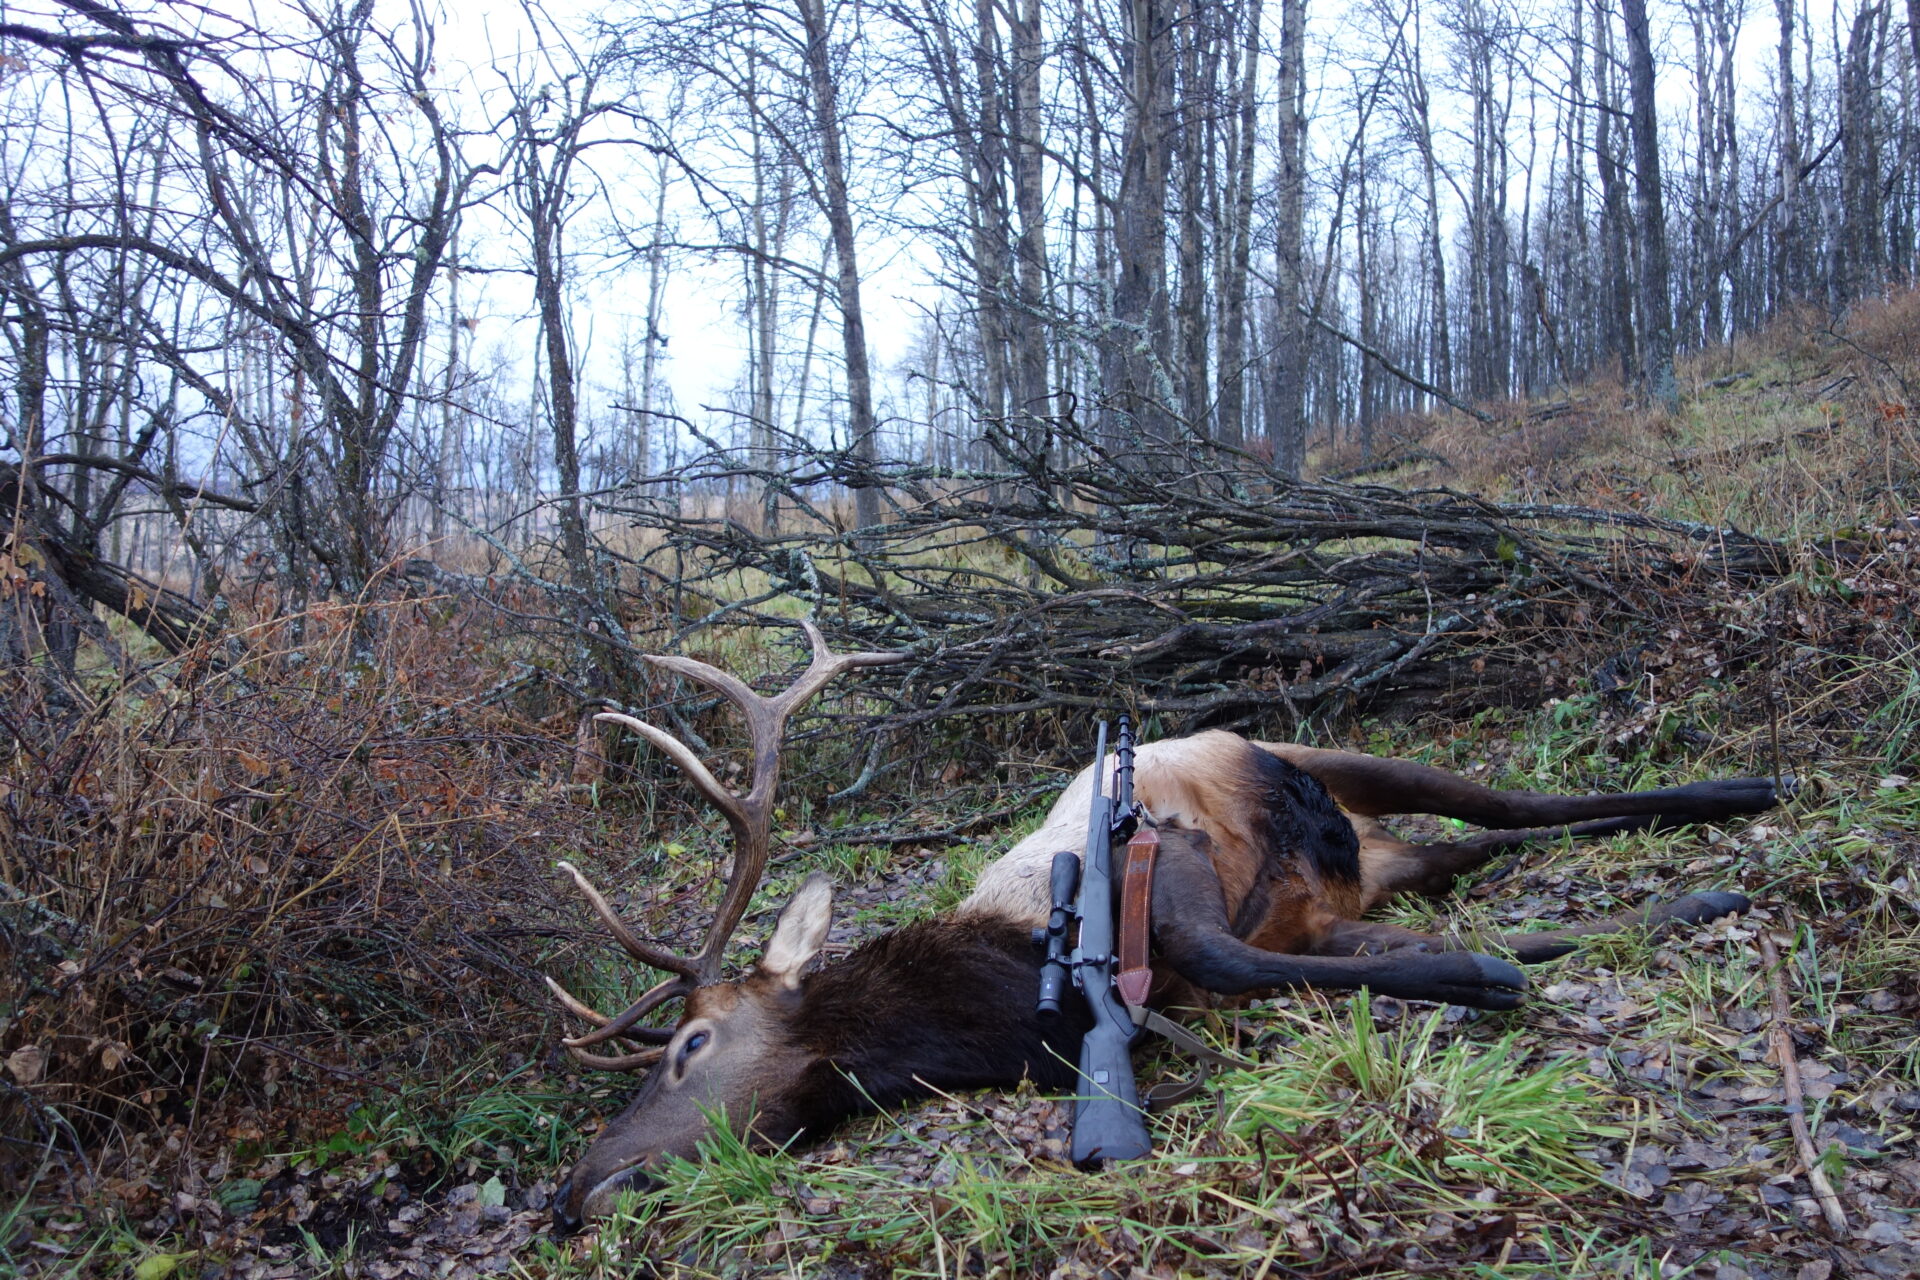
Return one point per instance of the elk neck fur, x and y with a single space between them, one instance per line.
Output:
946 1003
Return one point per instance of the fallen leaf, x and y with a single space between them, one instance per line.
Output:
28 1064
157 1266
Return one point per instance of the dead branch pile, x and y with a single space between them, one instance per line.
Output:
1181 579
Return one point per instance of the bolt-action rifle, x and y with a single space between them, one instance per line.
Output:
1108 1123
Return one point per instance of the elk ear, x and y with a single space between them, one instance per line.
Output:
802 929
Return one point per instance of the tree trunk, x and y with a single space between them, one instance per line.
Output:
1789 252
1029 329
1236 244
452 423
1136 358
1574 270
1440 354
1656 306
1368 288
853 327
1286 407
1613 200
1199 66
1859 263
769 246
653 338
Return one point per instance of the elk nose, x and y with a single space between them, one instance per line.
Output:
571 1211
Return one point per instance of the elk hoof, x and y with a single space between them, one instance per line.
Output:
1753 795
1475 981
1502 984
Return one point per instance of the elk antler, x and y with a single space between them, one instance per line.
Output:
750 818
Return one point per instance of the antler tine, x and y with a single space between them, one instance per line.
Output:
824 667
622 1024
573 1004
608 1029
645 952
678 751
622 1062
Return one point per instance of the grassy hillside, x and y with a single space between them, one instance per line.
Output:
1803 431
312 1043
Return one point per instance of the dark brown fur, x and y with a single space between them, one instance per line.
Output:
946 1003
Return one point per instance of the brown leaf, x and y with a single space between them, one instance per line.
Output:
28 1064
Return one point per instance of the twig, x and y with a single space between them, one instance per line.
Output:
1381 359
877 833
1796 1108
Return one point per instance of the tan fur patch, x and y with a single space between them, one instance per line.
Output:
803 927
1195 779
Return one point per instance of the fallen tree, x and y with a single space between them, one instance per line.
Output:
1178 578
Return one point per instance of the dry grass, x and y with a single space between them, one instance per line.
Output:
268 858
1809 428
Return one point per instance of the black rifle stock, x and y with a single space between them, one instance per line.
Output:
1108 1123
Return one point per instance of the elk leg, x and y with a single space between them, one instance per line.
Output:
1190 926
1360 938
1372 786
1390 866
1694 908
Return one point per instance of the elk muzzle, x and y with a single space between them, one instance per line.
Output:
577 1202
673 1111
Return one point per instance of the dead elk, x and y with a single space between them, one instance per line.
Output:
1270 855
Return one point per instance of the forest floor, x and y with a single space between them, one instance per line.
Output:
1631 1119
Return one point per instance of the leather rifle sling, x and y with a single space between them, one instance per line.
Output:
1135 977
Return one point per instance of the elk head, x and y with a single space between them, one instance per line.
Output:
731 1044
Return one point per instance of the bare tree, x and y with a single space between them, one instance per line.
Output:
1235 236
547 136
295 215
1656 302
1136 365
830 139
1286 398
1859 265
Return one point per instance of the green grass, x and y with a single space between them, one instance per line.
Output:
1342 1129
481 1118
1425 1104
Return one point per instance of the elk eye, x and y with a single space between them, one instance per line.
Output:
692 1045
